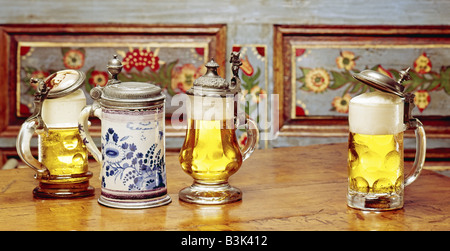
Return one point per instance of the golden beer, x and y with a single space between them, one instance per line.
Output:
375 151
377 121
62 151
210 152
62 168
375 163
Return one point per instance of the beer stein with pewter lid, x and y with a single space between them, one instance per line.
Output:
377 121
62 166
210 153
132 152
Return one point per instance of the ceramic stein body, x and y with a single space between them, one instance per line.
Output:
62 167
132 152
377 123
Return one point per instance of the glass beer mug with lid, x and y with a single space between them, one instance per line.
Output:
377 121
210 153
132 155
62 166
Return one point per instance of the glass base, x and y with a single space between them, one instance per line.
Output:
210 194
374 202
134 204
67 190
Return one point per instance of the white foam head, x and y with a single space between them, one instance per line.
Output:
63 112
376 113
211 108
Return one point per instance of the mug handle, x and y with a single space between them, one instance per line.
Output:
252 138
421 146
83 128
24 149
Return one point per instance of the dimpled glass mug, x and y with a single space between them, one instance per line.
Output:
132 153
210 153
377 121
62 168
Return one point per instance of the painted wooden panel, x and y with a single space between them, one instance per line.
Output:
254 86
323 84
168 56
314 67
172 66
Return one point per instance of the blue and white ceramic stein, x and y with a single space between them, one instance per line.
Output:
132 153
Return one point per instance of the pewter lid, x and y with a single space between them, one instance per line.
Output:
129 95
210 83
132 92
382 82
64 82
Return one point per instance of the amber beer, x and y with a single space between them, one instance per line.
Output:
375 161
62 151
210 151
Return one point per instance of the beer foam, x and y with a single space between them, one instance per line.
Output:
376 113
63 112
376 98
211 108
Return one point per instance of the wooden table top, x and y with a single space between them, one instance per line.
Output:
295 188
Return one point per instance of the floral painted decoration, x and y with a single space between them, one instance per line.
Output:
317 80
144 65
169 66
346 60
252 72
246 66
242 140
421 99
140 59
135 169
98 78
73 58
422 64
183 77
423 80
341 104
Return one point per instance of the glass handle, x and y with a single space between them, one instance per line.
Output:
24 149
421 146
83 128
252 138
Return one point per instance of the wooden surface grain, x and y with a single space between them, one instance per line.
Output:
295 188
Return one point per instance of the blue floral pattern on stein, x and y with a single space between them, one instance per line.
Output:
137 170
132 148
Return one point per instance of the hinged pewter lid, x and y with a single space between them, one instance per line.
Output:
119 94
382 82
64 82
57 85
211 84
